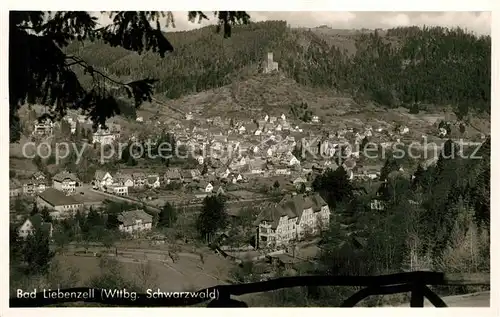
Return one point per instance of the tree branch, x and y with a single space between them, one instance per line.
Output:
91 70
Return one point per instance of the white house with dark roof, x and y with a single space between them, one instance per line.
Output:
32 224
123 179
102 180
66 182
135 221
292 219
207 188
60 204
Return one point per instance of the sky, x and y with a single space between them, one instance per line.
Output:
477 22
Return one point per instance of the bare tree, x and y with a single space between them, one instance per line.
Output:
145 275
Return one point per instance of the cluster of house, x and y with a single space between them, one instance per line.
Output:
131 221
121 182
272 155
294 218
103 135
250 156
38 183
61 205
61 201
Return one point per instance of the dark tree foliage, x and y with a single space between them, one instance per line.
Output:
395 189
93 218
364 142
481 192
14 245
213 217
419 178
45 213
302 188
35 210
448 197
390 165
112 222
41 70
455 181
297 151
334 186
448 153
168 216
204 171
36 252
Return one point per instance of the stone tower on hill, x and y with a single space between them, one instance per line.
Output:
270 65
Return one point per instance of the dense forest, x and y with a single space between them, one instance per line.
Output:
404 66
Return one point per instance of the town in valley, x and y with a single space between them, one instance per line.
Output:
249 180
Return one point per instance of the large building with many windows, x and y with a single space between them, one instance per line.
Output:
293 218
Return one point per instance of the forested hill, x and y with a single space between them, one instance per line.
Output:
402 66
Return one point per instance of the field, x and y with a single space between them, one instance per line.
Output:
188 273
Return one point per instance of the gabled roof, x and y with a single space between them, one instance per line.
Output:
99 174
290 206
299 180
318 201
195 172
57 198
152 179
65 175
38 174
220 190
186 174
172 173
270 213
138 175
38 223
128 218
257 164
32 182
123 176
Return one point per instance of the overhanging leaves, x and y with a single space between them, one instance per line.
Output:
40 71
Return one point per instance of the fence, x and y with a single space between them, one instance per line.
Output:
414 282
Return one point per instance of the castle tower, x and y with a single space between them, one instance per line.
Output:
270 65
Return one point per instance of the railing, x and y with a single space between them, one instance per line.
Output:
414 282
